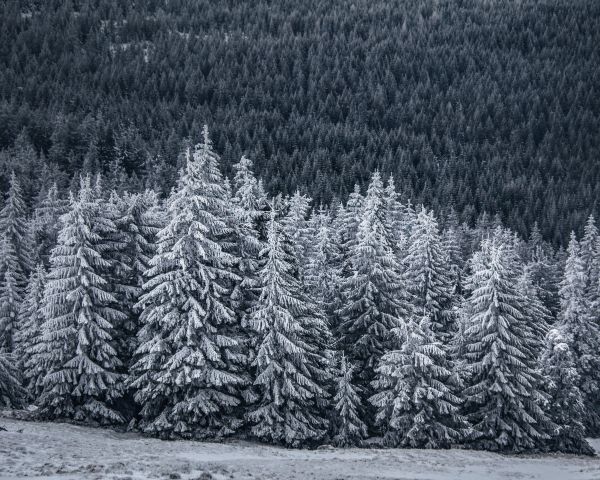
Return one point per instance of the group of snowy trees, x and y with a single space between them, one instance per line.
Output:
221 310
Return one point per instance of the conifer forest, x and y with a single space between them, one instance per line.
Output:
350 224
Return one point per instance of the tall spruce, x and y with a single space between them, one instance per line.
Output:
80 312
188 372
503 398
292 362
29 338
374 301
427 274
576 320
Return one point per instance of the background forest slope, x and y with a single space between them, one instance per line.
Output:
480 105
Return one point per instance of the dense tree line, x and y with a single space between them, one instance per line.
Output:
482 106
223 310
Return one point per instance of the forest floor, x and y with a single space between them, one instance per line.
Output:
63 451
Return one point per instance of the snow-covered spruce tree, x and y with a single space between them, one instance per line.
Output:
80 312
452 243
292 362
503 399
373 298
11 294
188 372
427 274
14 229
323 271
295 227
534 310
247 216
45 224
133 244
29 337
566 407
576 320
347 427
12 394
416 400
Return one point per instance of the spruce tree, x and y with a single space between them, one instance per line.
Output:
566 408
427 274
12 394
80 312
503 400
29 337
188 373
347 426
11 293
295 227
45 224
374 301
291 366
416 400
14 229
576 320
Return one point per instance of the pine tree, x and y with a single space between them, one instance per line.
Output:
373 298
427 274
566 401
79 355
503 400
292 358
416 400
29 337
12 394
187 376
348 428
576 320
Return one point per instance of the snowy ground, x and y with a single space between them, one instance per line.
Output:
61 451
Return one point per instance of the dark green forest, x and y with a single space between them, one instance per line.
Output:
481 106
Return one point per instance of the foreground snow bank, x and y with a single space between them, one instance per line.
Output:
62 451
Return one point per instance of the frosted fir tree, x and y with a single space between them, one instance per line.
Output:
79 355
348 428
295 227
535 312
29 343
566 408
11 294
452 243
247 217
427 274
133 244
292 361
588 245
324 268
503 398
14 229
12 394
188 371
347 221
416 400
374 301
45 224
576 320
394 217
